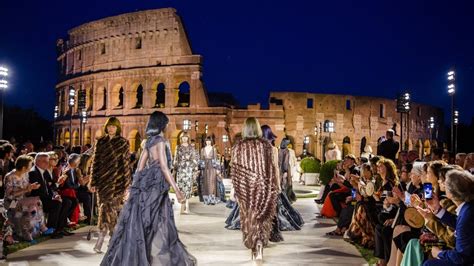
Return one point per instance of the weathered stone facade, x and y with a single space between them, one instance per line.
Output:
133 64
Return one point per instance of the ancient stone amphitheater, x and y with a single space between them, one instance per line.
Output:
133 64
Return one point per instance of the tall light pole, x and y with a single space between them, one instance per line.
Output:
456 122
72 101
3 85
451 92
56 115
403 107
82 126
431 125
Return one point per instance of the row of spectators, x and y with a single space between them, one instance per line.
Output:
421 212
43 192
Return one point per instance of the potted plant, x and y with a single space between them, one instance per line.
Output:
327 171
310 167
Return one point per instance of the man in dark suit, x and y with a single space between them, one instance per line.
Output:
52 202
389 147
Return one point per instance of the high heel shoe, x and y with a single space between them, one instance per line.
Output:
259 252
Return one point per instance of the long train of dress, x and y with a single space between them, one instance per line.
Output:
289 218
146 233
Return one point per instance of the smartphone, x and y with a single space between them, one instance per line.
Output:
407 199
354 192
428 189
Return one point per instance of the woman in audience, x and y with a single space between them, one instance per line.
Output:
383 230
363 221
17 187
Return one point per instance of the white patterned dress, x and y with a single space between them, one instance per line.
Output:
186 167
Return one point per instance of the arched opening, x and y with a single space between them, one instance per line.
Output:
135 140
120 98
139 103
102 97
174 139
326 141
61 137
183 94
160 96
89 99
87 136
75 138
81 99
363 143
427 148
346 146
67 136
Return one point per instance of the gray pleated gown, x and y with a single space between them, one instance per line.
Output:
146 233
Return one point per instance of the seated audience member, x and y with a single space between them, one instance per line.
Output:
17 188
68 184
437 154
469 163
53 205
363 221
341 188
460 158
460 189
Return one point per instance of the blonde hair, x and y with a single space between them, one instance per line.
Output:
251 129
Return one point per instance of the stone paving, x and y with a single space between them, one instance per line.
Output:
204 234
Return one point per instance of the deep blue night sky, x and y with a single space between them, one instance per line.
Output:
374 48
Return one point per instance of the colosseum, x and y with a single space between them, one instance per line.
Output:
133 64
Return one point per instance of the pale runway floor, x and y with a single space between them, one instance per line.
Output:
204 234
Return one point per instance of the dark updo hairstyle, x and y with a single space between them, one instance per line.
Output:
211 139
156 124
268 134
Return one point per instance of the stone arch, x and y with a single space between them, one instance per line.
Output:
89 98
419 148
135 140
102 98
67 136
75 137
61 137
159 93
87 136
363 143
174 139
139 96
117 96
184 94
346 146
426 147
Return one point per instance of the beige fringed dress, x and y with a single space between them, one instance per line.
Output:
253 175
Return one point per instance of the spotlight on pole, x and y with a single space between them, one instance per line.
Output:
3 86
456 117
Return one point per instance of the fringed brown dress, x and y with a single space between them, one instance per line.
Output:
253 176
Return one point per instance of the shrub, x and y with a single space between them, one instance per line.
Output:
310 165
327 171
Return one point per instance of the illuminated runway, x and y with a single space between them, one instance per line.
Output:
206 238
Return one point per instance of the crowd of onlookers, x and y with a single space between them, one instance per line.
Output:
409 210
45 191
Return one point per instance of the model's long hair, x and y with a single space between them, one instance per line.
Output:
251 129
113 121
156 124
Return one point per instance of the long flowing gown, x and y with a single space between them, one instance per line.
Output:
146 233
186 164
209 183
